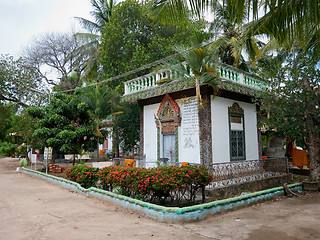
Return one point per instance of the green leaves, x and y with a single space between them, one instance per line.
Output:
63 126
127 125
132 39
293 100
17 82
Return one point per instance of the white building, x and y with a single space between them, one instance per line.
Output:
172 119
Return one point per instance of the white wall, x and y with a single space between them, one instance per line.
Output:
189 149
109 147
220 129
251 134
150 132
188 136
188 131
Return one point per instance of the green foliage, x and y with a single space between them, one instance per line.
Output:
16 81
294 101
63 126
293 97
6 112
21 150
98 103
156 183
7 148
132 39
127 125
23 125
23 162
84 175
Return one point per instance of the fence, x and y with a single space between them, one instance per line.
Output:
226 174
230 173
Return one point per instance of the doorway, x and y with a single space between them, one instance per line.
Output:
169 143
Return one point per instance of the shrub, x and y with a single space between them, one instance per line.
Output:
154 184
86 176
7 148
23 162
160 183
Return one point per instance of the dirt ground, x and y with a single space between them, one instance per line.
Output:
31 208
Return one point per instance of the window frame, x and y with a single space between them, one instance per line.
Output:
236 111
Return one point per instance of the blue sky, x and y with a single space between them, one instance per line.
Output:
21 20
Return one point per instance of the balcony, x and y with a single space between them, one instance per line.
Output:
227 74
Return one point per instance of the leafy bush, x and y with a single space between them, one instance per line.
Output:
154 184
23 162
84 175
176 183
7 148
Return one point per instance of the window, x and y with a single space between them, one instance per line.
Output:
236 130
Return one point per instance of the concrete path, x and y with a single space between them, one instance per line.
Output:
31 208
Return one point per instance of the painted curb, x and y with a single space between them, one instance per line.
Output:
169 214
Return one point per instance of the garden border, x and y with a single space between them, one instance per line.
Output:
169 214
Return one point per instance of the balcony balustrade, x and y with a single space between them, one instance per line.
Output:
227 73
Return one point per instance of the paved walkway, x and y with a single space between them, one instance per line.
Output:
31 208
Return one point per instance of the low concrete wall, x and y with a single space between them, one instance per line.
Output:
248 187
169 214
101 164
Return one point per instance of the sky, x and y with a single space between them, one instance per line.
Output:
22 20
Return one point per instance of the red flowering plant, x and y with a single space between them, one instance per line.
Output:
155 184
179 183
107 180
86 176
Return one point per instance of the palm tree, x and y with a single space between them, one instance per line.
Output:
197 65
284 20
231 40
102 15
99 102
293 23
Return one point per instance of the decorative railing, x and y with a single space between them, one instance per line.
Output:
226 174
227 72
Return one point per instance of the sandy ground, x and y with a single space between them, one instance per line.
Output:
31 208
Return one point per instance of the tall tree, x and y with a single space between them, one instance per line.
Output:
99 103
293 101
64 125
5 115
101 14
127 125
18 83
231 41
286 21
92 38
132 39
55 56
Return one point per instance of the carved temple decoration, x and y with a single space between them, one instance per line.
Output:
168 115
235 109
167 122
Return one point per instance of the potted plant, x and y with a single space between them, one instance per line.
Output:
311 184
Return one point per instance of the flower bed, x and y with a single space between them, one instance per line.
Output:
162 184
85 175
